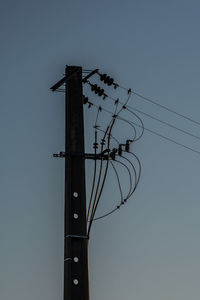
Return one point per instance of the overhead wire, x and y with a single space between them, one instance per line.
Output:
133 124
96 201
97 198
109 136
112 136
128 108
165 123
134 170
103 180
98 182
139 163
157 134
139 175
162 106
124 106
121 203
119 184
94 179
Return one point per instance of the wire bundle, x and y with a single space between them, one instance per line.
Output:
114 155
120 154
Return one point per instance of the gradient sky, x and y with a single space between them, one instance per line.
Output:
150 250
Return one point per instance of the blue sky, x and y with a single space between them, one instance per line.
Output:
150 250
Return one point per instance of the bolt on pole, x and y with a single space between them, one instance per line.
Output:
75 243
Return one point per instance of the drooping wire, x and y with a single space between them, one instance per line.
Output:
123 119
96 202
118 180
105 174
94 177
130 192
135 174
98 182
139 175
129 195
130 177
97 198
122 200
124 106
112 136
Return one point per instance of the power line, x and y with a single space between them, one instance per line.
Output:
124 200
146 98
163 122
162 106
169 139
155 133
128 107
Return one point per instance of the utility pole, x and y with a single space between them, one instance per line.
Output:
75 245
75 232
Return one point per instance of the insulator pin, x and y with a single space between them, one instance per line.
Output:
95 145
113 153
106 79
127 146
95 88
85 99
120 150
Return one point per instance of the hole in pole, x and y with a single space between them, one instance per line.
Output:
76 259
75 216
75 281
75 194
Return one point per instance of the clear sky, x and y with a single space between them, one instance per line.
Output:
150 249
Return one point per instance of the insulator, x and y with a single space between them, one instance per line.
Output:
129 91
85 99
103 142
93 87
95 145
127 146
107 79
120 150
103 77
110 81
113 153
101 92
98 90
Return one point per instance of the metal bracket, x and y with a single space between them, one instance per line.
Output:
77 236
84 155
65 79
